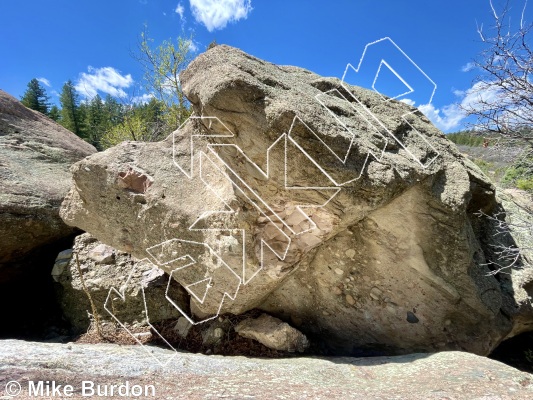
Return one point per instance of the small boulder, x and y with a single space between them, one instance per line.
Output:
182 327
213 334
62 261
273 333
102 254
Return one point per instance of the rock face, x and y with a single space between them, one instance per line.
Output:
104 268
346 214
519 220
35 156
446 375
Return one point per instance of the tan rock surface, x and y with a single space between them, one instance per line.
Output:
385 254
105 269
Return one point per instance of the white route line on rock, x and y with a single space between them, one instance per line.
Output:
192 261
345 85
388 39
243 187
121 293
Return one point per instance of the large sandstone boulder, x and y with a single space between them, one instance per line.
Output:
346 214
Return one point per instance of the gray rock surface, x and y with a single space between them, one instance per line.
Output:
182 327
513 250
446 375
385 254
104 268
35 156
273 333
518 206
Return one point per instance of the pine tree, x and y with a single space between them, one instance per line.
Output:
70 109
35 97
114 111
95 121
55 113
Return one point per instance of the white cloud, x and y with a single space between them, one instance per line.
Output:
505 96
193 47
481 92
180 11
215 14
446 118
44 81
408 101
459 93
468 67
107 80
145 98
476 97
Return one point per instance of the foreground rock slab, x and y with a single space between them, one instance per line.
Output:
285 194
446 375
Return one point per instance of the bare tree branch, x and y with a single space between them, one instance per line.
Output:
502 94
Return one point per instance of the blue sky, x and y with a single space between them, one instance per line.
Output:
90 42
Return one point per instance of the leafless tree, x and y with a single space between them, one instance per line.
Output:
501 100
502 94
512 231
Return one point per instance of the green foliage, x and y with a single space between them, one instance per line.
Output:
132 128
96 121
525 184
55 113
35 97
152 111
145 122
71 116
162 65
494 172
484 166
107 122
520 174
114 111
466 138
